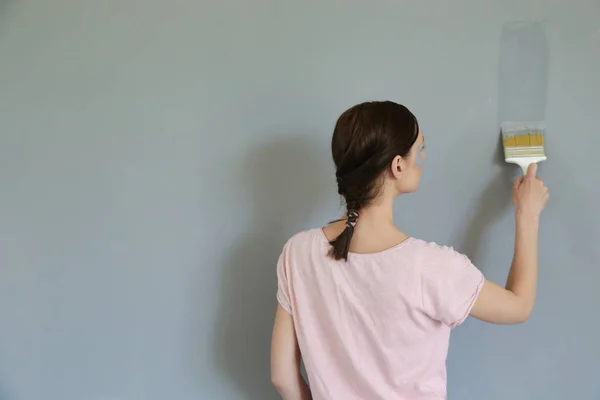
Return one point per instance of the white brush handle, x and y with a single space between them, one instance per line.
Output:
525 162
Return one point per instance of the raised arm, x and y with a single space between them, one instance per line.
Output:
513 303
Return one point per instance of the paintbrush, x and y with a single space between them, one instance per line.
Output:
523 143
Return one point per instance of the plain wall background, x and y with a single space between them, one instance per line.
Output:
156 155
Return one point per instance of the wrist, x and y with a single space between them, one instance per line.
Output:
524 216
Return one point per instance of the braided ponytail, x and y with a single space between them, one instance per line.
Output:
340 246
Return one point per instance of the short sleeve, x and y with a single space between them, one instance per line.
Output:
450 286
283 291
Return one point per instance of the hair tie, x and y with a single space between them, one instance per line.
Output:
351 218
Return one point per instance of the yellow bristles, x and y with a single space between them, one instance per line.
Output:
534 139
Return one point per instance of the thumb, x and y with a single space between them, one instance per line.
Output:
531 171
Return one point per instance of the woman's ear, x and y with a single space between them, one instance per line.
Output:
398 165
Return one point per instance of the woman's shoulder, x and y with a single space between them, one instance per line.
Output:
435 255
304 237
433 246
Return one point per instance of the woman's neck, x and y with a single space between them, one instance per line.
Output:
377 213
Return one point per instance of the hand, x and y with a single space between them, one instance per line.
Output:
529 193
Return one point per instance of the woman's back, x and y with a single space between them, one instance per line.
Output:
370 328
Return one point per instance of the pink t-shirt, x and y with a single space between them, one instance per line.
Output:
378 326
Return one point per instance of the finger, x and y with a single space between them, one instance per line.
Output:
517 182
531 170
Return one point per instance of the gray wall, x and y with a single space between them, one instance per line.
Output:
155 155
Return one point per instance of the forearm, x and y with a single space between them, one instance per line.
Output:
522 279
296 389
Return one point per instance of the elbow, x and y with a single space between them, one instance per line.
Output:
287 383
524 314
521 319
280 381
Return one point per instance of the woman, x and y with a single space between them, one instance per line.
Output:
368 308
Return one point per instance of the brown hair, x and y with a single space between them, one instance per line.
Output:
366 139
